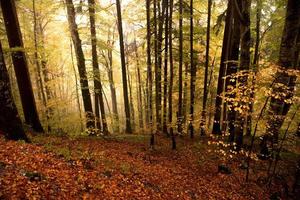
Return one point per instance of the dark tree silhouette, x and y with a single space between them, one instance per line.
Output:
123 65
20 64
10 122
87 104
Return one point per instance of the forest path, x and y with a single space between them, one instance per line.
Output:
119 168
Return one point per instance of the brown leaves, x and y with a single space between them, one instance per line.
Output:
113 170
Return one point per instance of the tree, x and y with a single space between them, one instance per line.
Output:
240 117
192 80
165 129
139 86
224 58
255 65
158 68
170 114
149 72
87 104
205 90
283 88
10 122
123 65
97 77
108 63
179 113
20 64
231 74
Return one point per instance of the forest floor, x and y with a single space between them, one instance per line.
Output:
123 167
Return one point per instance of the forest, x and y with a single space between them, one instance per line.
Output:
150 99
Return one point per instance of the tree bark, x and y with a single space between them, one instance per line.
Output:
170 114
149 72
123 65
179 112
20 64
231 75
284 82
87 104
205 90
96 70
159 67
139 87
224 58
243 72
10 122
165 129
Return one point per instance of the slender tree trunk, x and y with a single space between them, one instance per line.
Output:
284 82
123 64
170 114
86 97
179 112
159 66
193 71
10 122
20 64
243 70
155 61
255 65
77 88
165 129
185 95
37 64
139 86
45 71
112 87
210 92
205 92
149 72
132 111
96 70
224 58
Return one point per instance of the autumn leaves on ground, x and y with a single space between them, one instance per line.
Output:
121 167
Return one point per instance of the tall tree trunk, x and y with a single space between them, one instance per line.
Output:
132 111
113 94
284 82
255 65
124 76
10 122
224 58
96 70
86 97
45 70
185 95
149 72
170 114
243 70
20 64
77 88
179 112
109 66
159 65
193 72
205 91
231 74
139 87
37 63
165 129
156 64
